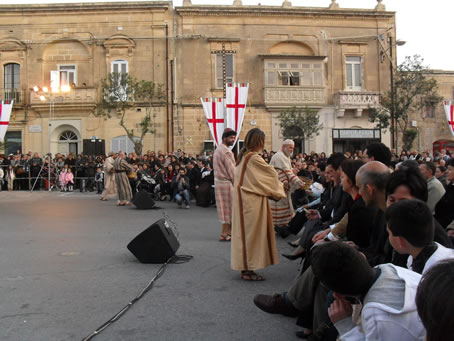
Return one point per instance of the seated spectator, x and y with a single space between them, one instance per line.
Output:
411 231
434 300
386 292
444 210
377 151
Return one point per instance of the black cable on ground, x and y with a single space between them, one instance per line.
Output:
172 260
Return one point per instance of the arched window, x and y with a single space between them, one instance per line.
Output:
11 82
12 76
68 135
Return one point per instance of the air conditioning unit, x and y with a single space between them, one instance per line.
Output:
414 124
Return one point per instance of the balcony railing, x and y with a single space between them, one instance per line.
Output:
77 96
12 94
285 96
356 100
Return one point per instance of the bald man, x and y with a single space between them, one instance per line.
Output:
282 210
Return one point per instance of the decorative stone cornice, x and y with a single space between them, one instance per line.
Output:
277 11
86 6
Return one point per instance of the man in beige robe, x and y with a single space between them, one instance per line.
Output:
122 167
253 239
282 210
110 187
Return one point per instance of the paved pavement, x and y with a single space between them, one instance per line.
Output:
65 269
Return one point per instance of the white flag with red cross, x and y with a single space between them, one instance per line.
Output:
5 113
449 110
214 109
235 105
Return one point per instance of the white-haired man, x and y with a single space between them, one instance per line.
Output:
282 210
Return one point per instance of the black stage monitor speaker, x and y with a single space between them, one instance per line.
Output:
156 244
143 200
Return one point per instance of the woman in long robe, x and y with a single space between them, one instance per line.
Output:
253 239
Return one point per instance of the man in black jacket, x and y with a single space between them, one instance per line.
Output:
180 186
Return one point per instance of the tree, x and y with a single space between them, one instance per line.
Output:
120 93
412 92
298 123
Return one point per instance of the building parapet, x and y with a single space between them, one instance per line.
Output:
355 100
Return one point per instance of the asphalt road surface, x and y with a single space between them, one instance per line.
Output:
65 270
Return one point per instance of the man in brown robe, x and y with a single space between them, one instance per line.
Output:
224 168
253 239
121 179
110 187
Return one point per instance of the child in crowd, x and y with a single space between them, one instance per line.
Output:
99 179
62 180
411 231
69 180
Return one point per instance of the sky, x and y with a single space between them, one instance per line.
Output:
424 25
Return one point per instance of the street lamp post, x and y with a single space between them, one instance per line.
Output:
45 94
392 66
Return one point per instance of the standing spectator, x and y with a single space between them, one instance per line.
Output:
444 210
62 180
193 174
10 177
2 174
69 179
99 179
434 186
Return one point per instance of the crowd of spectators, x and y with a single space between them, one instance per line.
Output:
398 212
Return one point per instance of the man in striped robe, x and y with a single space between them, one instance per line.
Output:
121 178
282 210
224 169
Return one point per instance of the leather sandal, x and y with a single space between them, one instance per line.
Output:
251 276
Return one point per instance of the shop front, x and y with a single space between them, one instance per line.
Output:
351 140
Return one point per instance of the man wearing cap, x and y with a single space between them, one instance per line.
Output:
282 210
224 168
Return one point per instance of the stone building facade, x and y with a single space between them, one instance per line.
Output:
77 45
333 60
431 123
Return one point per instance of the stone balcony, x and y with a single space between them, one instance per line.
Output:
355 100
284 96
78 98
13 94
